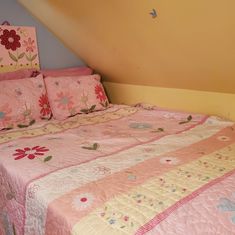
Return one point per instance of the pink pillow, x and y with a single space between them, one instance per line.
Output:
23 102
75 71
69 96
18 74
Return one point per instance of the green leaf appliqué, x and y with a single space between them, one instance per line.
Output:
13 57
47 159
158 130
189 118
33 57
21 56
95 146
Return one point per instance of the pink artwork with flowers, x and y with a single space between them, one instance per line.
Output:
18 48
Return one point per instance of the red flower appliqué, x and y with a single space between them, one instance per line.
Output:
10 39
99 91
45 106
30 153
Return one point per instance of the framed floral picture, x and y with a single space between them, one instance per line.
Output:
18 48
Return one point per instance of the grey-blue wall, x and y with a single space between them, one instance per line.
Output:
53 54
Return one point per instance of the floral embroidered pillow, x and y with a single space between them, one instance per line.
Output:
23 102
69 96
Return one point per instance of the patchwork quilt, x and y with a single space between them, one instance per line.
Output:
125 170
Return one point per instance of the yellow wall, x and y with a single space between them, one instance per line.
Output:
213 103
190 45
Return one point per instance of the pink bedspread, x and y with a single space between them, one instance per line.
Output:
126 170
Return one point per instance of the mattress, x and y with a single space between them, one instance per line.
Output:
125 170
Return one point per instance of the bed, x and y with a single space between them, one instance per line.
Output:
123 170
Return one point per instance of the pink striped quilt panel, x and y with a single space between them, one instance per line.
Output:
124 170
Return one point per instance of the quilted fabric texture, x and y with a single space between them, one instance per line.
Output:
69 96
22 103
121 171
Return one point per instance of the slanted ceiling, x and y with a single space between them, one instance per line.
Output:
175 44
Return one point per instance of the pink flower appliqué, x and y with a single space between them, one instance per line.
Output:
64 100
29 45
32 190
5 110
30 153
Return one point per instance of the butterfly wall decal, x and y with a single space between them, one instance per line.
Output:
153 13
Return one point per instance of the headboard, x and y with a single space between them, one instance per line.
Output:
18 48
